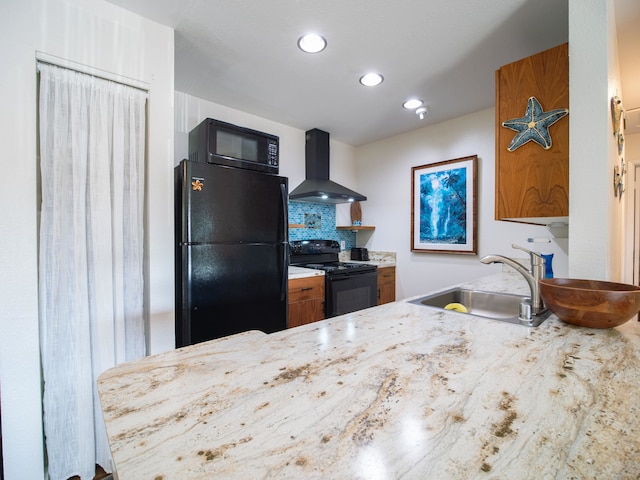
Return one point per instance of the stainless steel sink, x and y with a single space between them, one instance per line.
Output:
504 307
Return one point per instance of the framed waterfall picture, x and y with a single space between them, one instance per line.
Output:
444 206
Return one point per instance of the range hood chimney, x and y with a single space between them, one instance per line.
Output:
317 187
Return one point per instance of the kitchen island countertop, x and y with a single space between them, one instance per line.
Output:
395 391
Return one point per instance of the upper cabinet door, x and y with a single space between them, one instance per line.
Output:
532 182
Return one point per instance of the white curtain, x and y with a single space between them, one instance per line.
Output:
92 144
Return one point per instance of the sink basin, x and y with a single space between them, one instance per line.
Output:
503 307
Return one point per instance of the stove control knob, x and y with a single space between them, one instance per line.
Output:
295 248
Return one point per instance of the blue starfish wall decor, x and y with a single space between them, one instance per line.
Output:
534 125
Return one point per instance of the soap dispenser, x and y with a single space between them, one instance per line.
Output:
548 264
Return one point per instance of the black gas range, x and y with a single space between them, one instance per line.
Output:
348 286
323 255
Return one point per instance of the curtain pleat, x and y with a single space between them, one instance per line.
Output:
92 135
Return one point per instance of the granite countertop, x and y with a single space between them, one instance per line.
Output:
300 272
377 258
395 391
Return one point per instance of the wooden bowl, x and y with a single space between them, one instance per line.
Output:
590 303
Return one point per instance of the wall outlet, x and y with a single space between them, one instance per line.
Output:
343 246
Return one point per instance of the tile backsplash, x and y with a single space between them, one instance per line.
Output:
320 223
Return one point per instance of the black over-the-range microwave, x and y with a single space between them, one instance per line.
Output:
222 143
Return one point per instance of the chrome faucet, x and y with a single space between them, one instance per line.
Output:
536 305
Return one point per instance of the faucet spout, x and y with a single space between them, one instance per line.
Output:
517 266
537 305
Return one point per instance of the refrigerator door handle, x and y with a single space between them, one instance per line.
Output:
285 276
285 234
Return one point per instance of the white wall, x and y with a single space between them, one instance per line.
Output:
97 34
190 110
596 223
384 174
382 171
632 210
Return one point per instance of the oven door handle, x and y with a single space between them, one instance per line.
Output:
352 274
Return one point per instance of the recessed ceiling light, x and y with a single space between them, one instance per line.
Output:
371 79
413 103
312 43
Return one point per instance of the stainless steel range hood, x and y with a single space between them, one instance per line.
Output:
317 188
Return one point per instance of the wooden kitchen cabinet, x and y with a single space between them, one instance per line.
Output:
306 300
532 182
386 285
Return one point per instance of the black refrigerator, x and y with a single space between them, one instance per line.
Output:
231 229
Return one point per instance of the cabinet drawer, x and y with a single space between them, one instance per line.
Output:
301 289
386 275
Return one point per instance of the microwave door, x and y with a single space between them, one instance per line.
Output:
229 144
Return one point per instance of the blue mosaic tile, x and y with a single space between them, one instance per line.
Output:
320 221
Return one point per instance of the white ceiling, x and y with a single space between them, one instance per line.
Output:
243 54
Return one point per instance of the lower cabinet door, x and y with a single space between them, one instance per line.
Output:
309 311
306 300
386 285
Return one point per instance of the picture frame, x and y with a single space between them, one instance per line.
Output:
444 206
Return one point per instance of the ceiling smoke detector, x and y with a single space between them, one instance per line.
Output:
422 112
